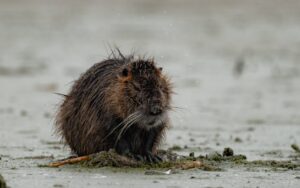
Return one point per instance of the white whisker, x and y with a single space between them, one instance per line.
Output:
125 121
127 126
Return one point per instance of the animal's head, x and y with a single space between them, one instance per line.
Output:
146 92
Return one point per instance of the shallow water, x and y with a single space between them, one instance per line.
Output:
235 68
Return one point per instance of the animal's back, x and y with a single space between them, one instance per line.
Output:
80 118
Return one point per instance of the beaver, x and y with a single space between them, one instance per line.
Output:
121 103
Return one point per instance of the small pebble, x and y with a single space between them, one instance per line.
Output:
237 139
192 154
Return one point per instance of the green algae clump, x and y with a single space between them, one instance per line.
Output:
289 165
228 152
295 147
211 162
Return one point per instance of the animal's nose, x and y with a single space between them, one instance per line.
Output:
155 110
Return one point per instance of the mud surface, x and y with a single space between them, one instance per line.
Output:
234 64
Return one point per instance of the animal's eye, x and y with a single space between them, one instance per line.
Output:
125 72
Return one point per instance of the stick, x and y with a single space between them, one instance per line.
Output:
69 161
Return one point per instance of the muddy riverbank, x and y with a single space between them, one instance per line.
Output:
234 64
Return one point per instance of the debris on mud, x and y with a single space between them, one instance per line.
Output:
211 162
2 182
287 165
112 159
70 160
215 156
238 140
155 172
51 142
228 152
192 164
295 147
38 157
175 148
239 66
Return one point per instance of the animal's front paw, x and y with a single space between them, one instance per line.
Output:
134 156
138 157
152 158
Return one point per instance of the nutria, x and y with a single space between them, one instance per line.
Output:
121 103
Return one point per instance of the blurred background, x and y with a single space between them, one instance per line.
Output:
234 64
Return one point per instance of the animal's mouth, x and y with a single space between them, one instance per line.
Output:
152 122
149 121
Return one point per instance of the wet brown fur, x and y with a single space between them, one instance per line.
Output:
104 96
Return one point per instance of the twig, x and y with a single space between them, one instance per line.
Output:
69 161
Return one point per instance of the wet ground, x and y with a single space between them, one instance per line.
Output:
235 66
